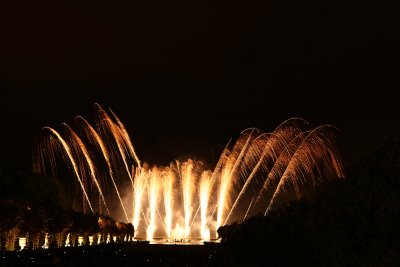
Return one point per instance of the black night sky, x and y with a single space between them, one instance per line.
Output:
185 76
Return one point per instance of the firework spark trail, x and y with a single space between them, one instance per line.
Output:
255 155
280 164
205 190
127 138
85 153
248 209
287 177
250 177
104 152
243 149
290 174
43 152
118 137
274 146
303 162
74 165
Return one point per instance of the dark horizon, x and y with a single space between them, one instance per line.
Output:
186 77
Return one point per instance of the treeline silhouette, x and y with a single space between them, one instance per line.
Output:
34 206
350 222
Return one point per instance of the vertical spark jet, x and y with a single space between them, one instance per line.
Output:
205 190
229 176
139 187
168 191
214 177
188 180
153 199
225 184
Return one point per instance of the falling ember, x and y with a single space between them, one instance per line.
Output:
253 175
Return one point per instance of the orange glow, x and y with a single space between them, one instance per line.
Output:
184 200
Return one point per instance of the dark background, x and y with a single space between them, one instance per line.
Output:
185 76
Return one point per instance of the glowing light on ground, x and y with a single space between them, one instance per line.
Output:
46 242
22 242
67 241
80 240
108 239
90 240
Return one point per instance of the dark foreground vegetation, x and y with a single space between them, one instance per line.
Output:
349 222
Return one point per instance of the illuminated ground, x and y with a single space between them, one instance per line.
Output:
162 241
